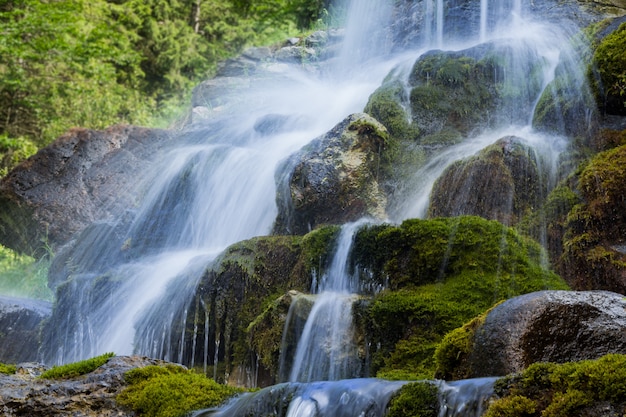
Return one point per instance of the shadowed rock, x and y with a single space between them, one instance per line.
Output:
20 321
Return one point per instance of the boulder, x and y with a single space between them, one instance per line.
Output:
83 176
335 178
548 326
594 253
20 322
501 183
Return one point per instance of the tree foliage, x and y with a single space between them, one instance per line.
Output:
94 63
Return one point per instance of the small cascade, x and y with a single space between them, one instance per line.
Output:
366 397
465 398
326 349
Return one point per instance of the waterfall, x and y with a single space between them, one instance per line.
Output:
131 279
326 349
215 185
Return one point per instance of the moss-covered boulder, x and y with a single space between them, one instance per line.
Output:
594 251
438 274
502 182
587 388
335 179
546 326
235 320
608 75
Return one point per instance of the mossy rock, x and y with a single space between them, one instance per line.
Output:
439 274
585 388
171 391
241 301
594 255
388 105
415 399
502 183
609 74
336 178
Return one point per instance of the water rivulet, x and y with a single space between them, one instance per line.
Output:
460 86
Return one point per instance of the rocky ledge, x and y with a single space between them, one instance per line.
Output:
25 393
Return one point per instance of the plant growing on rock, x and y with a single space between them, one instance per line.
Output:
75 369
171 391
585 388
439 274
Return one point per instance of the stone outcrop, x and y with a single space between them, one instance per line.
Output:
91 395
334 179
81 177
501 183
548 326
20 322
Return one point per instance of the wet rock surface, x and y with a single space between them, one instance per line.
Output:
20 320
334 179
549 326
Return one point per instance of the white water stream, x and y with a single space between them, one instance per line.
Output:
218 187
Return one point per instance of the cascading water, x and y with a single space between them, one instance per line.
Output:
216 186
326 349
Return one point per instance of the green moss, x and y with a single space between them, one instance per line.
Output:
171 391
416 399
451 90
72 370
609 62
563 390
595 227
386 105
451 354
7 369
317 248
439 274
514 406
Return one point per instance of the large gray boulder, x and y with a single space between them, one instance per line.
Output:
20 323
548 326
83 176
335 179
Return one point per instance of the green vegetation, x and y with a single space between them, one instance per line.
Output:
7 369
439 274
13 151
563 390
386 106
609 77
171 391
72 370
100 62
452 352
595 227
416 399
23 276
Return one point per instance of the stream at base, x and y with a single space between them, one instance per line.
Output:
364 397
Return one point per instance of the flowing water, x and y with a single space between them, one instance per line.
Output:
216 186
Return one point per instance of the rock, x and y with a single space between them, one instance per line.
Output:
548 326
20 321
91 395
595 228
504 180
81 177
334 179
462 19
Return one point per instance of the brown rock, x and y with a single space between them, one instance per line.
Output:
79 178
